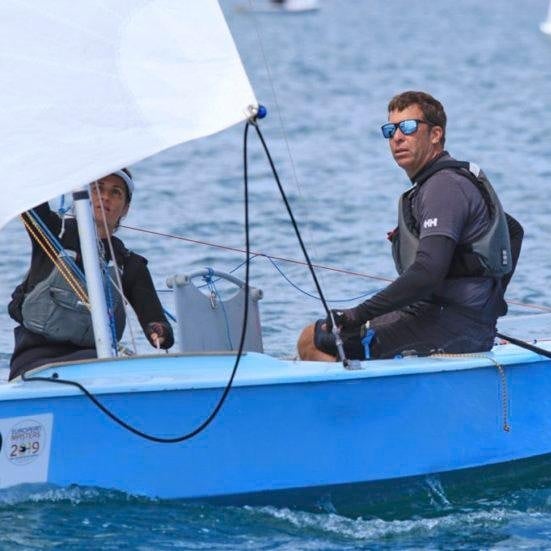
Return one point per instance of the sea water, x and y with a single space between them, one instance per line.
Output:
326 78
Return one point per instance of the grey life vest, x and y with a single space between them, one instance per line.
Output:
487 256
52 309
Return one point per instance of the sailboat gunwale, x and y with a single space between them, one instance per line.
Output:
211 370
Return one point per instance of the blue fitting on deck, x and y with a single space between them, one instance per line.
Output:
262 112
208 276
366 342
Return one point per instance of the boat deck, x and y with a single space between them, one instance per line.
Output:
212 370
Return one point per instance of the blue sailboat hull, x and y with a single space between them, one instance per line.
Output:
285 425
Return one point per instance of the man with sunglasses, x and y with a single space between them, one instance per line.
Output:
454 248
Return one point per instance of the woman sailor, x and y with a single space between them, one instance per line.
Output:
50 305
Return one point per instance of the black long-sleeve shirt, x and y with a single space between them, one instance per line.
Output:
427 272
136 280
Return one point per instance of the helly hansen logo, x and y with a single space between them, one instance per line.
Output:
504 257
430 223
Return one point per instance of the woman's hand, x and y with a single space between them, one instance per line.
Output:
156 333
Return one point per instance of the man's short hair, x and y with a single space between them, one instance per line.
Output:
432 109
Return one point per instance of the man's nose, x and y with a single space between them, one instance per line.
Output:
398 135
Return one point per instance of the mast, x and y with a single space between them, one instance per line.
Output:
94 282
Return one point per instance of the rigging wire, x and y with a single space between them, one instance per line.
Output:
271 257
282 125
258 253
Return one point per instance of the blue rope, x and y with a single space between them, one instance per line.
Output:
110 305
245 262
231 271
212 287
286 278
62 210
172 316
311 295
58 246
169 315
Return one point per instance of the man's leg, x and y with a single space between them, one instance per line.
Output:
426 329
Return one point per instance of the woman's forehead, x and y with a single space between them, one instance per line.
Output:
113 181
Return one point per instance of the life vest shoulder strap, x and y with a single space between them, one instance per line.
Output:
472 169
469 170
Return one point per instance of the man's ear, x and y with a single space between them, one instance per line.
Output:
436 134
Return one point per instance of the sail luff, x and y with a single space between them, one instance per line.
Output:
85 90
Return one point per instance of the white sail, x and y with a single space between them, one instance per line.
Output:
89 87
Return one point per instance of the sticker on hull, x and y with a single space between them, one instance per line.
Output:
25 449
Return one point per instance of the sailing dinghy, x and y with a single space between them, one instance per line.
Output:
89 88
545 26
285 6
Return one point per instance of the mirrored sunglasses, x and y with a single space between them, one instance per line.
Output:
407 127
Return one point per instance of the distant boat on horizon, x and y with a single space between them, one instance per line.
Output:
545 26
281 6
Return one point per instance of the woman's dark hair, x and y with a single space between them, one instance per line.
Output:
432 109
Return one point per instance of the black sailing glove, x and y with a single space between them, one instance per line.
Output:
344 319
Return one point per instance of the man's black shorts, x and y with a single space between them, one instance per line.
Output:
420 329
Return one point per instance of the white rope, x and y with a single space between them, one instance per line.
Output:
118 283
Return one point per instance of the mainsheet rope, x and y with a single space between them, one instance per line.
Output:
163 440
